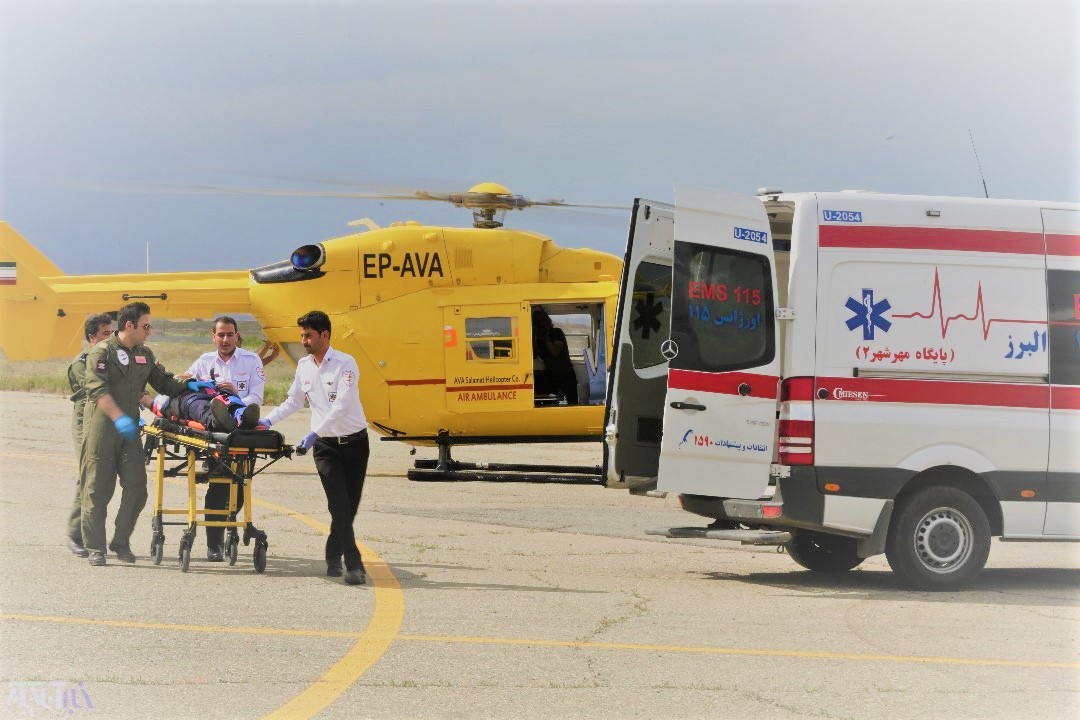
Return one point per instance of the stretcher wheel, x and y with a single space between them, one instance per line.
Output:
231 549
185 557
157 549
259 556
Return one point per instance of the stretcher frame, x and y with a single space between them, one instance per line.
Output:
232 459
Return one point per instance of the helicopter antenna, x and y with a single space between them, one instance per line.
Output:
977 162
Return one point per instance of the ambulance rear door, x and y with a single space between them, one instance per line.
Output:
724 370
638 377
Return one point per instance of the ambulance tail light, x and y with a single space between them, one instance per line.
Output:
797 421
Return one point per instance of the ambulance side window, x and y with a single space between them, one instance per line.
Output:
1063 290
650 313
721 311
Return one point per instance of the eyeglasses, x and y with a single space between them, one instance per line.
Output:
146 327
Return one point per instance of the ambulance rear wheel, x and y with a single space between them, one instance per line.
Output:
939 539
823 553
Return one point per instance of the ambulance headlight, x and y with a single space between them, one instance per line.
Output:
308 257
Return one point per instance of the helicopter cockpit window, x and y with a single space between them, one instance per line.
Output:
490 338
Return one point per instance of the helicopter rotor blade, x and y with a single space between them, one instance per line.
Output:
562 203
473 199
152 188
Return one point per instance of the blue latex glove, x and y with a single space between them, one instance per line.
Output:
307 442
197 385
126 427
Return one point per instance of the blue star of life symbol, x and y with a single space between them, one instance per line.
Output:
868 314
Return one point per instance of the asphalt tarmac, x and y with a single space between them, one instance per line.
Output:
498 600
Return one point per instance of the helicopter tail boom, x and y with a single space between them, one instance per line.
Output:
42 310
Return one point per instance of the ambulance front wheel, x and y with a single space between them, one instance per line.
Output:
823 553
939 539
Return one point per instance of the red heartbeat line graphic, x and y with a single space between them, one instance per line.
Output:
979 314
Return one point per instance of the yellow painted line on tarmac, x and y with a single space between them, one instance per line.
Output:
173 627
375 640
753 652
567 644
67 462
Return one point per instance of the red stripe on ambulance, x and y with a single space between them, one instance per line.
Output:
935 392
1064 398
914 238
761 386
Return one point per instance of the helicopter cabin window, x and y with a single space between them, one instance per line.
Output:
490 339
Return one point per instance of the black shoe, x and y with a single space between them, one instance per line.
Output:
223 419
123 554
215 555
77 548
249 418
355 577
333 568
97 558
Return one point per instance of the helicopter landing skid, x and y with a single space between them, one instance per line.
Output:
446 469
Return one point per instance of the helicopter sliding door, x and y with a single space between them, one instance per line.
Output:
639 376
581 326
488 368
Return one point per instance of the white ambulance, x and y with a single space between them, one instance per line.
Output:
853 373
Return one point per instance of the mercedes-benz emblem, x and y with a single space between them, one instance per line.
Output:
669 349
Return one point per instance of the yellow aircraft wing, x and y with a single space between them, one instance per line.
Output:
42 310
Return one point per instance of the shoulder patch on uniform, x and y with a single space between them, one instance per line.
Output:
100 367
347 377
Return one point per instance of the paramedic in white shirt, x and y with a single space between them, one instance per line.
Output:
328 379
233 369
238 372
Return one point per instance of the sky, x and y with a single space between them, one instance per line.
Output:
588 101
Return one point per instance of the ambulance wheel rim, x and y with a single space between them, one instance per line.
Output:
943 540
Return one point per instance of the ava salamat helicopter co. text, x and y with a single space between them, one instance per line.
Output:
488 394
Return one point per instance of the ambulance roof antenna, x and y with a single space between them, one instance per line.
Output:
985 191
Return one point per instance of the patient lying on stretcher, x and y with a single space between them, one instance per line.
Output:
207 409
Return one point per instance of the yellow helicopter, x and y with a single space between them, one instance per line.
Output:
439 319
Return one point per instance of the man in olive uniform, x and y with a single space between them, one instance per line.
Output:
95 329
117 372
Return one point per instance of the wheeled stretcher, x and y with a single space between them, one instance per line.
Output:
227 458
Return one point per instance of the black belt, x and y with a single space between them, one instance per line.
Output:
345 439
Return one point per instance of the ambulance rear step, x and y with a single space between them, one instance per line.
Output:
746 537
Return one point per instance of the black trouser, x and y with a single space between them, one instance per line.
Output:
342 465
217 498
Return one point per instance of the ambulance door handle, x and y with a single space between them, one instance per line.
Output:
744 389
686 406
